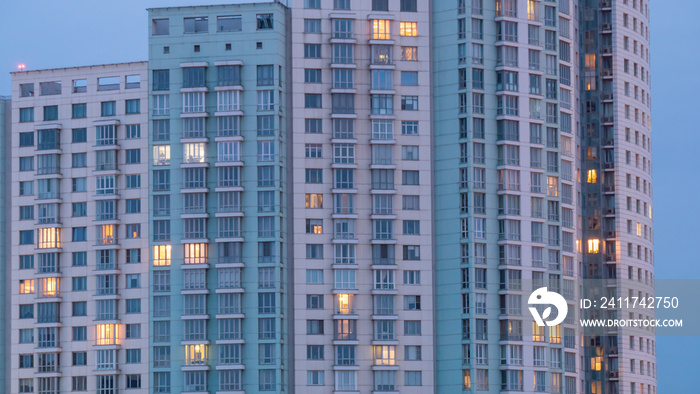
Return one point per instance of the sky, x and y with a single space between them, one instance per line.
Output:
51 34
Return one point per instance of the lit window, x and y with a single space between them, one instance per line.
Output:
314 200
384 355
106 234
161 155
26 286
193 153
107 334
552 186
49 238
381 29
408 29
344 304
593 245
592 176
196 253
161 255
195 354
48 287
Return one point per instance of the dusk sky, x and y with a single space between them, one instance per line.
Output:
51 34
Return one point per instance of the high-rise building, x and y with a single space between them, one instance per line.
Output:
347 196
78 310
219 166
362 205
5 198
616 189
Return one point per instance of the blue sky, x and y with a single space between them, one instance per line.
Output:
50 34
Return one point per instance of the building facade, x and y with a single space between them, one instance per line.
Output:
338 196
78 310
5 198
219 113
616 189
363 256
505 193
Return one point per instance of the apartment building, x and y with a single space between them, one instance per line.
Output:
5 198
343 196
616 189
78 285
219 123
362 200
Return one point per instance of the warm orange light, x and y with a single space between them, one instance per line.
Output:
196 354
593 245
384 355
161 255
107 334
49 238
592 176
344 304
196 253
21 67
49 287
26 286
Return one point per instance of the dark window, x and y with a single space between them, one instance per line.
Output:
265 21
193 77
266 75
380 5
229 23
160 27
109 108
50 112
229 75
80 135
26 139
133 106
409 5
197 25
79 111
26 114
161 80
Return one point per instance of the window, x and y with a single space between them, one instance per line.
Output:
26 90
409 54
312 100
381 29
266 75
312 25
133 106
133 131
312 75
77 110
409 103
380 5
265 21
408 29
409 5
409 78
108 108
133 156
26 139
312 51
196 25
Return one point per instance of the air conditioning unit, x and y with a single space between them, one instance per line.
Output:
607 73
610 211
608 96
607 50
609 165
614 374
606 26
613 350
